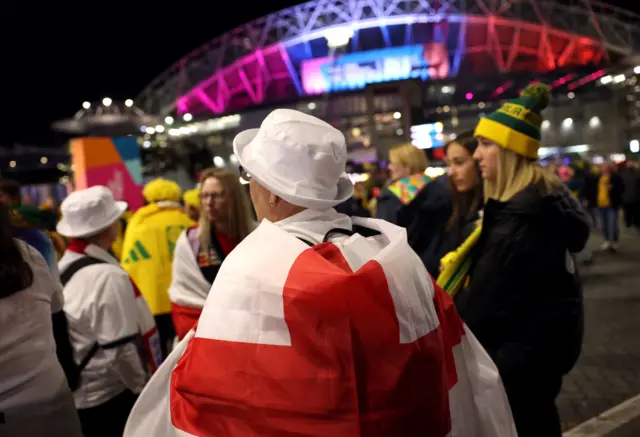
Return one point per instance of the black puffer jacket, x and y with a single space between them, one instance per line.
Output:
524 299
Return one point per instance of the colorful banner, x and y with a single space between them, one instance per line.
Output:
356 70
112 162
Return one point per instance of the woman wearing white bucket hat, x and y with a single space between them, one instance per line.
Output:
318 324
107 316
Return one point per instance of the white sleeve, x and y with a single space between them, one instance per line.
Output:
188 286
115 325
114 319
127 364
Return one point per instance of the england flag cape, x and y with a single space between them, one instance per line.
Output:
342 339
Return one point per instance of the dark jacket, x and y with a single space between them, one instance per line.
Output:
353 208
524 299
422 207
631 182
589 191
616 190
453 236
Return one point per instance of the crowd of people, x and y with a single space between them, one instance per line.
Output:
449 306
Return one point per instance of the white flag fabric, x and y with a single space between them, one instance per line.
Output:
188 287
342 339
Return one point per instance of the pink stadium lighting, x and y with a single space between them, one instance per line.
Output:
585 80
263 72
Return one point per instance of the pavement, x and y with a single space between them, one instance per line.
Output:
608 371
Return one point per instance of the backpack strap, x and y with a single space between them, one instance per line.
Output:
357 229
88 357
65 277
76 266
308 243
365 232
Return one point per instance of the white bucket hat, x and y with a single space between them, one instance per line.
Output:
298 157
87 212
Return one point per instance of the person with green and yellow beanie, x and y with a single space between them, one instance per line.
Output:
147 250
523 300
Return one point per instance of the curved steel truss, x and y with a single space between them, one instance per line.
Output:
253 56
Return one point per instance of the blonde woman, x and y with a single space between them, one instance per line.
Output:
225 219
524 300
412 202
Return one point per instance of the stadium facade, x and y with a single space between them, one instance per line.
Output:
398 70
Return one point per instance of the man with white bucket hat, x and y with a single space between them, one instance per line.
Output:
318 324
109 321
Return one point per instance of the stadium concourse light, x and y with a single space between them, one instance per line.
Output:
338 37
168 120
86 105
107 101
128 103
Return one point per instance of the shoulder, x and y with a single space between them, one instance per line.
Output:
98 276
35 259
188 241
111 283
387 198
436 194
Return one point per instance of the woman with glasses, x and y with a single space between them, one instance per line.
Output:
225 219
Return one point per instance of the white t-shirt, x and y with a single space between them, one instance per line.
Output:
29 369
100 305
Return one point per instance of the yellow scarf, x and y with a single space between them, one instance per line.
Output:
456 264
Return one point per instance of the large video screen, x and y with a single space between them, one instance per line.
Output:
356 70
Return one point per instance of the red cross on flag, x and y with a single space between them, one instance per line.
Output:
342 339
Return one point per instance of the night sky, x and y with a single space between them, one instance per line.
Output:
55 55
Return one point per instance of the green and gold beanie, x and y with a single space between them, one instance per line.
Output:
516 125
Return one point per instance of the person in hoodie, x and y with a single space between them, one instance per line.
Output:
414 203
524 299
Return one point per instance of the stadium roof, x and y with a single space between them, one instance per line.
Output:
249 60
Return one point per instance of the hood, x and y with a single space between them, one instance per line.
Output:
152 209
560 211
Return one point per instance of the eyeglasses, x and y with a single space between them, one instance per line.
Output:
245 175
212 196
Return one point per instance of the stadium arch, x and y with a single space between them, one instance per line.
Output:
261 61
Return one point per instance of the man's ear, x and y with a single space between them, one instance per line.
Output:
273 199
